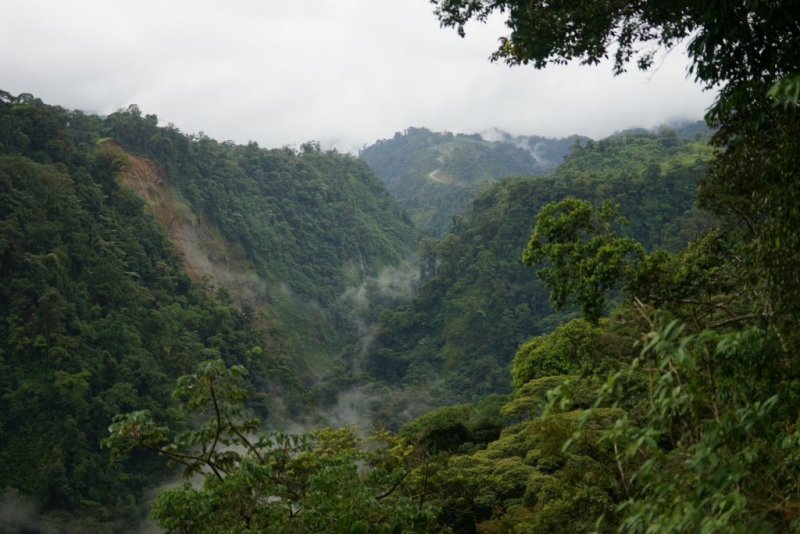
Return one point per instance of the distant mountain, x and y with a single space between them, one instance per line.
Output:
434 175
548 152
689 129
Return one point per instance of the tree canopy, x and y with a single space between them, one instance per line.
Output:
730 44
587 259
324 481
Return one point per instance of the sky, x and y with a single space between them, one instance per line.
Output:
342 72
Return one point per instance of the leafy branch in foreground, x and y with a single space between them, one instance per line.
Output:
713 436
324 481
587 259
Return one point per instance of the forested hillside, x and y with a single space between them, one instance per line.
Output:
99 315
434 176
478 302
300 226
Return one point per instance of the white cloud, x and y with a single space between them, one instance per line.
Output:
345 72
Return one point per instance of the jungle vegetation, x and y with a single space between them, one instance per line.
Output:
80 341
661 395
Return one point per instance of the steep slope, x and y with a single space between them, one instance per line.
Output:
207 257
97 317
284 231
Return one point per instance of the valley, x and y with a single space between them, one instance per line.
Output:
372 310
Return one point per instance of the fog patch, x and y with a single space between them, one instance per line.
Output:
529 144
394 284
21 515
392 287
379 406
495 135
351 410
536 146
18 514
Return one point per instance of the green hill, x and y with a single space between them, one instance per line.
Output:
434 175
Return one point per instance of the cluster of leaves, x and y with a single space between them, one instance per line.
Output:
324 481
477 302
718 435
588 260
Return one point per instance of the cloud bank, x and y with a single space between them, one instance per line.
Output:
344 72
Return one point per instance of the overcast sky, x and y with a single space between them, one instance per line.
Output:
343 72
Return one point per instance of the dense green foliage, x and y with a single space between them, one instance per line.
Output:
521 480
586 259
671 407
314 220
477 302
309 223
433 176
